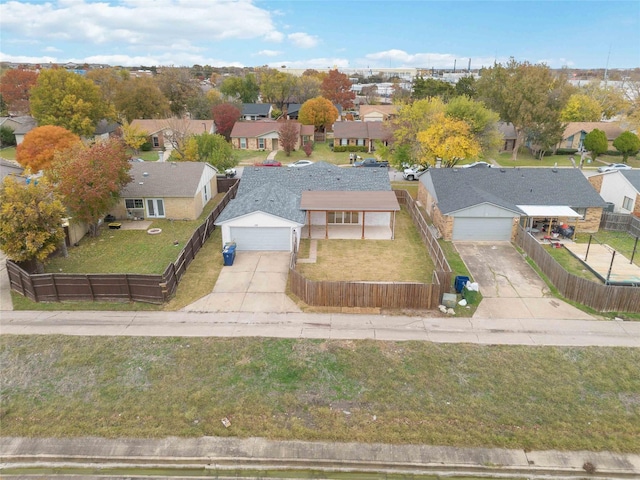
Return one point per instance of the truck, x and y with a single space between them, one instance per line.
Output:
414 172
371 162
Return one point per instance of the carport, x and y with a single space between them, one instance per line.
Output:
547 216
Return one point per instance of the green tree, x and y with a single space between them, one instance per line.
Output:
627 144
178 86
412 119
318 112
596 142
581 108
30 221
277 87
7 137
336 87
215 150
307 87
245 89
466 86
612 100
140 98
483 122
200 106
108 80
523 94
430 88
89 179
68 100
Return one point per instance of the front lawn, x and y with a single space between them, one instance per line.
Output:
535 398
525 159
321 153
404 259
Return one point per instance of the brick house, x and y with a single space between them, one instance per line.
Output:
360 134
265 135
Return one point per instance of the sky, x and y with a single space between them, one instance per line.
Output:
322 34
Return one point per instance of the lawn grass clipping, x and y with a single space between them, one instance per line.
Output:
392 392
404 259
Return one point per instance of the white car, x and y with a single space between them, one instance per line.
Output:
300 163
614 166
414 172
477 164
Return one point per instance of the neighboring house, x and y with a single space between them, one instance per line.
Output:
106 129
265 135
20 126
361 134
487 204
620 187
275 207
509 136
574 133
256 111
159 132
293 111
174 190
9 168
377 113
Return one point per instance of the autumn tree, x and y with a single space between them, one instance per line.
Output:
449 140
30 221
288 134
200 106
178 87
612 100
523 94
225 116
307 87
140 98
336 87
89 179
628 144
581 108
37 150
318 112
483 122
245 89
15 85
133 136
68 100
370 93
277 87
596 142
108 81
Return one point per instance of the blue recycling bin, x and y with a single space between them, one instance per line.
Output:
229 255
460 282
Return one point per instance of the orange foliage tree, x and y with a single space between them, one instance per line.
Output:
39 146
336 87
14 88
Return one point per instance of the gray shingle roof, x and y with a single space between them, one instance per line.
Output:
633 176
256 109
459 188
260 185
164 179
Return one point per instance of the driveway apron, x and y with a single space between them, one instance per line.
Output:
256 283
509 286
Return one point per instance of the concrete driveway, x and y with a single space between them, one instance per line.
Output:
255 283
509 286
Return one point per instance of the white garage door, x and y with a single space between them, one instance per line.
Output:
482 228
262 238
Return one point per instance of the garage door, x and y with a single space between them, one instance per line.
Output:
262 238
482 228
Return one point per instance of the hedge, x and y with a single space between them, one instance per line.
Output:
349 148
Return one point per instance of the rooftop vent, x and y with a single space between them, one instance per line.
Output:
145 174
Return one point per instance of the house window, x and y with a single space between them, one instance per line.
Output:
627 203
343 217
569 142
360 142
344 142
243 143
261 143
156 141
205 194
580 211
130 203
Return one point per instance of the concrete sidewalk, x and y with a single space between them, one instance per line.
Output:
260 454
560 332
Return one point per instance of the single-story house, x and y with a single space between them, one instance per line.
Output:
275 207
256 111
20 126
574 133
377 113
361 134
174 190
620 187
488 203
265 135
293 110
509 136
106 129
159 131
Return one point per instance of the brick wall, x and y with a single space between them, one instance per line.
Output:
596 182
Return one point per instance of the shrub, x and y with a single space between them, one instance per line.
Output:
566 151
308 148
146 147
7 137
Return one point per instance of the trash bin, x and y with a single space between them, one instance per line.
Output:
460 282
229 255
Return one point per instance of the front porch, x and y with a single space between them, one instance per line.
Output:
347 232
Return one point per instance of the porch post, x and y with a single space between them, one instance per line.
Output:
363 220
309 223
393 226
326 224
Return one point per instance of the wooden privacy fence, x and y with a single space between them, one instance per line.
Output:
603 298
621 222
57 287
380 294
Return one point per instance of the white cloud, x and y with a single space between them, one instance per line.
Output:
399 58
52 49
268 53
313 63
303 40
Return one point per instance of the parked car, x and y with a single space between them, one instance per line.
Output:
268 163
414 172
300 163
477 165
614 166
371 162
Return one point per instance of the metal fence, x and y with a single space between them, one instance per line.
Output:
57 287
621 222
603 298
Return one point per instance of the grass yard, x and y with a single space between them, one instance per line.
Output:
404 259
525 159
321 152
622 242
8 153
411 187
393 392
570 263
